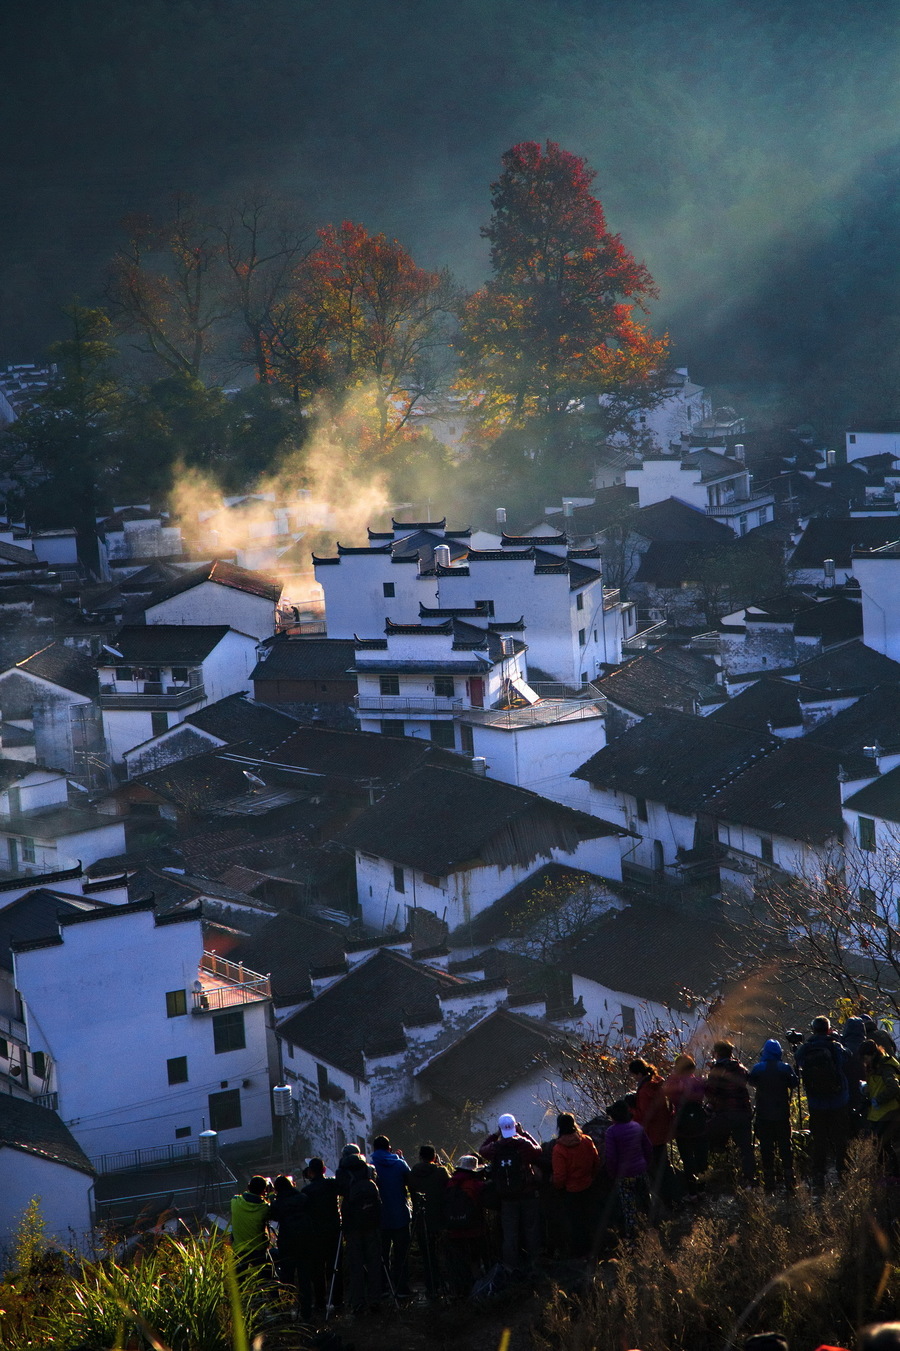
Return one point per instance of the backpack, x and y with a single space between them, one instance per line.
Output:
819 1072
510 1176
361 1207
462 1211
691 1120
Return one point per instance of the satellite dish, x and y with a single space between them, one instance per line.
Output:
254 779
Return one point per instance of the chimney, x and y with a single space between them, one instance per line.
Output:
442 556
501 515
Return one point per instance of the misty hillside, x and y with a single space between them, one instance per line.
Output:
746 149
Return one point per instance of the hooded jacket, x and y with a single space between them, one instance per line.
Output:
832 1101
393 1182
883 1088
428 1183
652 1109
774 1080
628 1151
575 1162
249 1214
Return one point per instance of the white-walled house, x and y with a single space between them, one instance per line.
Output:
872 438
49 713
40 1159
656 779
878 573
132 537
41 831
574 625
453 843
152 676
414 681
676 415
218 593
708 481
152 1037
537 747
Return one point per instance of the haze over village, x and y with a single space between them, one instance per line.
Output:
449 610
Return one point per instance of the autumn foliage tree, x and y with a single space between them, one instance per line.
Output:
557 321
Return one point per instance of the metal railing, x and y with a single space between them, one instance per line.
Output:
639 642
538 715
559 689
173 697
50 1100
705 642
155 1156
401 703
738 505
243 985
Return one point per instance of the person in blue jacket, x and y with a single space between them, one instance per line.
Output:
393 1183
774 1082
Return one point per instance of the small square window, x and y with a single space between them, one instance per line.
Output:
441 733
228 1031
393 727
766 851
852 438
431 880
180 674
640 806
466 738
290 1049
444 687
182 1132
629 1020
867 834
582 638
124 673
159 723
225 1110
399 880
388 589
176 1069
4 1048
39 1064
27 850
176 1003
389 684
322 1080
579 601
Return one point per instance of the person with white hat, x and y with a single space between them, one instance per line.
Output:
515 1158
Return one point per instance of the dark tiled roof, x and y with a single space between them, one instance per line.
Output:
881 798
11 553
835 620
675 758
442 819
770 701
38 1131
196 782
306 659
873 719
651 952
285 948
367 1010
836 537
223 574
667 678
368 757
672 520
713 466
34 916
237 718
11 771
164 644
794 792
672 562
496 1054
62 665
852 667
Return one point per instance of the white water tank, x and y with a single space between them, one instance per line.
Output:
281 1097
208 1142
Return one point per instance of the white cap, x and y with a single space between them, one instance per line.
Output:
507 1124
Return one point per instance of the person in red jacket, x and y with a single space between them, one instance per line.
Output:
575 1165
464 1231
653 1111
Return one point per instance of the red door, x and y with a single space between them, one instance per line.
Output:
476 691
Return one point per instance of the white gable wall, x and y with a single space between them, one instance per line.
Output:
64 1194
212 603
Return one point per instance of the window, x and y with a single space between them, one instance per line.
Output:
176 1003
389 684
15 801
466 739
430 880
4 1048
39 1064
159 723
629 1020
640 807
584 677
27 850
179 675
866 897
579 601
182 1132
441 733
595 635
290 1049
486 605
444 686
322 1078
225 1110
399 879
124 673
581 637
393 727
852 438
228 1032
867 834
388 589
176 1069
766 851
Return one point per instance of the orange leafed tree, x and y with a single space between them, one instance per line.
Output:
557 321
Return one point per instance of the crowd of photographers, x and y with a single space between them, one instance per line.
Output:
346 1240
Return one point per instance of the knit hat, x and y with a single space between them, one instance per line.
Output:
468 1163
349 1150
507 1124
772 1050
854 1032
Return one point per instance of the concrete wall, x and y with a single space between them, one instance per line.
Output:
542 758
860 444
879 580
64 1194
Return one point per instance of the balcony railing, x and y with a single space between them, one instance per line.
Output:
401 703
639 642
174 696
50 1100
537 715
738 506
240 984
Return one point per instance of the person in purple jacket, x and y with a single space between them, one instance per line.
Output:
627 1156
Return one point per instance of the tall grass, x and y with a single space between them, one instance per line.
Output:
815 1268
181 1295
